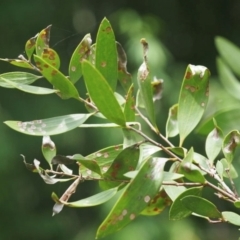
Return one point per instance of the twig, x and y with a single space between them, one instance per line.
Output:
182 184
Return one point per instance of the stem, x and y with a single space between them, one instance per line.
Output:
191 184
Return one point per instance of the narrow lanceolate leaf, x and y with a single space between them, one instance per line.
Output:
124 76
102 94
145 86
51 57
172 123
230 143
214 142
57 79
231 217
135 197
228 169
81 52
17 77
106 53
103 158
49 126
193 99
94 200
228 79
42 41
178 209
30 46
29 88
229 52
201 206
18 62
48 149
126 161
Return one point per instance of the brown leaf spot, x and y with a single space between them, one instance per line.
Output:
46 65
54 72
188 75
132 216
73 68
191 88
103 64
107 30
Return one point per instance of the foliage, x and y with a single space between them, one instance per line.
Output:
146 175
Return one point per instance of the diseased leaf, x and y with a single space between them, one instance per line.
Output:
229 81
57 79
103 158
193 99
59 159
201 206
229 52
81 52
102 94
157 86
124 76
129 108
48 149
42 41
30 46
231 217
19 63
172 123
213 143
178 210
230 143
145 87
106 53
49 126
134 198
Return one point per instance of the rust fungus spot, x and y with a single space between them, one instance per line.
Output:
156 210
40 68
103 64
46 65
107 30
54 72
116 147
188 75
190 88
116 165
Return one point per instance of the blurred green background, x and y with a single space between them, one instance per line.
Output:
179 32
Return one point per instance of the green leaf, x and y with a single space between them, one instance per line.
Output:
28 88
103 158
145 87
102 94
172 123
178 210
18 63
57 79
201 206
228 169
106 53
147 150
49 126
237 204
48 149
134 198
190 171
174 191
124 77
51 57
219 168
231 217
126 161
229 52
81 52
230 143
30 46
193 99
17 77
229 81
42 41
227 119
94 200
159 202
129 137
214 142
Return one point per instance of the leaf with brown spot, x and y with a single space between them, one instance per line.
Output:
51 57
82 51
30 46
43 39
135 197
56 78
